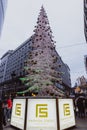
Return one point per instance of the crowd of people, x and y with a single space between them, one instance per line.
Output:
80 106
5 111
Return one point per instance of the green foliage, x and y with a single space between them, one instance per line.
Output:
23 79
22 92
47 83
34 88
26 67
30 89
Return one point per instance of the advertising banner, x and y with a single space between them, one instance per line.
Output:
41 114
18 113
66 113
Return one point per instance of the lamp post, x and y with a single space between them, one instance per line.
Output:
13 75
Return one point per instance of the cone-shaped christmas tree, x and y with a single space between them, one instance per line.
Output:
42 64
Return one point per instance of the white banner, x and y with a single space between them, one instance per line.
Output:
66 113
41 114
18 113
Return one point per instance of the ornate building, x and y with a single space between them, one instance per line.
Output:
81 85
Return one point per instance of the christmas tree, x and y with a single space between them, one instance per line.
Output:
42 63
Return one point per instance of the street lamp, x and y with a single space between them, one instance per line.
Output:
13 75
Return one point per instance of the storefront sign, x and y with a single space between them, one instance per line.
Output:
41 114
18 113
66 113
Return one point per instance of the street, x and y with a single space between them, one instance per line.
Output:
81 124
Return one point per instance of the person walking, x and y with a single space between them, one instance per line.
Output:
75 108
9 108
4 108
1 116
81 106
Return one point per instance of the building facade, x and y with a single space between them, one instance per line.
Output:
85 62
40 46
3 4
13 62
3 65
81 81
81 86
85 19
85 32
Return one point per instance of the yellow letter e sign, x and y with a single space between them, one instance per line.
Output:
18 109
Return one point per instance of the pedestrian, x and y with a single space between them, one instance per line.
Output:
81 106
9 108
4 108
1 116
75 107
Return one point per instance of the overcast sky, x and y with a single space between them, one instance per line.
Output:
66 21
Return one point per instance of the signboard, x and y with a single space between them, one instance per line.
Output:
18 113
66 113
41 114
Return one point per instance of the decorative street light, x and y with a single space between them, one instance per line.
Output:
13 75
